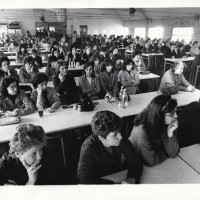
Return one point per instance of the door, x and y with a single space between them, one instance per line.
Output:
83 30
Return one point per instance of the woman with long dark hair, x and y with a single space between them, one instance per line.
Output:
13 101
89 83
153 134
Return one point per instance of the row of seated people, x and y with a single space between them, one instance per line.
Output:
105 83
157 135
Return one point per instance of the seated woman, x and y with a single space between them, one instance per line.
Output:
52 67
173 80
97 65
118 62
138 61
37 59
74 57
89 83
29 161
22 53
12 47
105 152
43 95
87 55
6 70
108 79
28 71
64 84
128 77
14 101
153 134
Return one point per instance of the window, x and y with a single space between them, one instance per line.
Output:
155 32
179 33
51 28
139 32
39 28
3 29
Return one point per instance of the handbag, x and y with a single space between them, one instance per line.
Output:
86 103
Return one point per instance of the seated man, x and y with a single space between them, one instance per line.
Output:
173 80
28 162
105 152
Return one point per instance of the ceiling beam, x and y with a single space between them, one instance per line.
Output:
144 14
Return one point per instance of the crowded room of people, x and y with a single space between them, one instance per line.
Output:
99 96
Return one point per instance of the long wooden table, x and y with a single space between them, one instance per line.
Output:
140 101
170 171
61 119
190 155
65 119
172 60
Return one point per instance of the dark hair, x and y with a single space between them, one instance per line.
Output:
152 117
107 62
26 136
61 62
195 42
2 59
96 57
116 57
39 78
51 59
136 52
5 84
127 62
86 65
104 122
20 48
29 60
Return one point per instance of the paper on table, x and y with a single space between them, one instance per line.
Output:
117 177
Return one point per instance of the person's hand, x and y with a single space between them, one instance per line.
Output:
50 110
32 171
13 113
39 90
171 127
61 77
36 63
128 181
190 88
78 64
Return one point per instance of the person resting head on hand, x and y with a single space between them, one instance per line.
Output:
13 101
43 95
29 161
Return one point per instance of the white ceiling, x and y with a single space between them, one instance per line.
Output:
123 13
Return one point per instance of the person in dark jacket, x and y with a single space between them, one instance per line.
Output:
64 84
105 152
189 125
28 162
108 79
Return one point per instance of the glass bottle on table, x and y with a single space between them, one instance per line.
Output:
124 99
120 96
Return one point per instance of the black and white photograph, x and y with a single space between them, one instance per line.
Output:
99 99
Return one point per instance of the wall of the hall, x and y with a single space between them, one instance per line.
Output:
168 25
28 19
98 26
